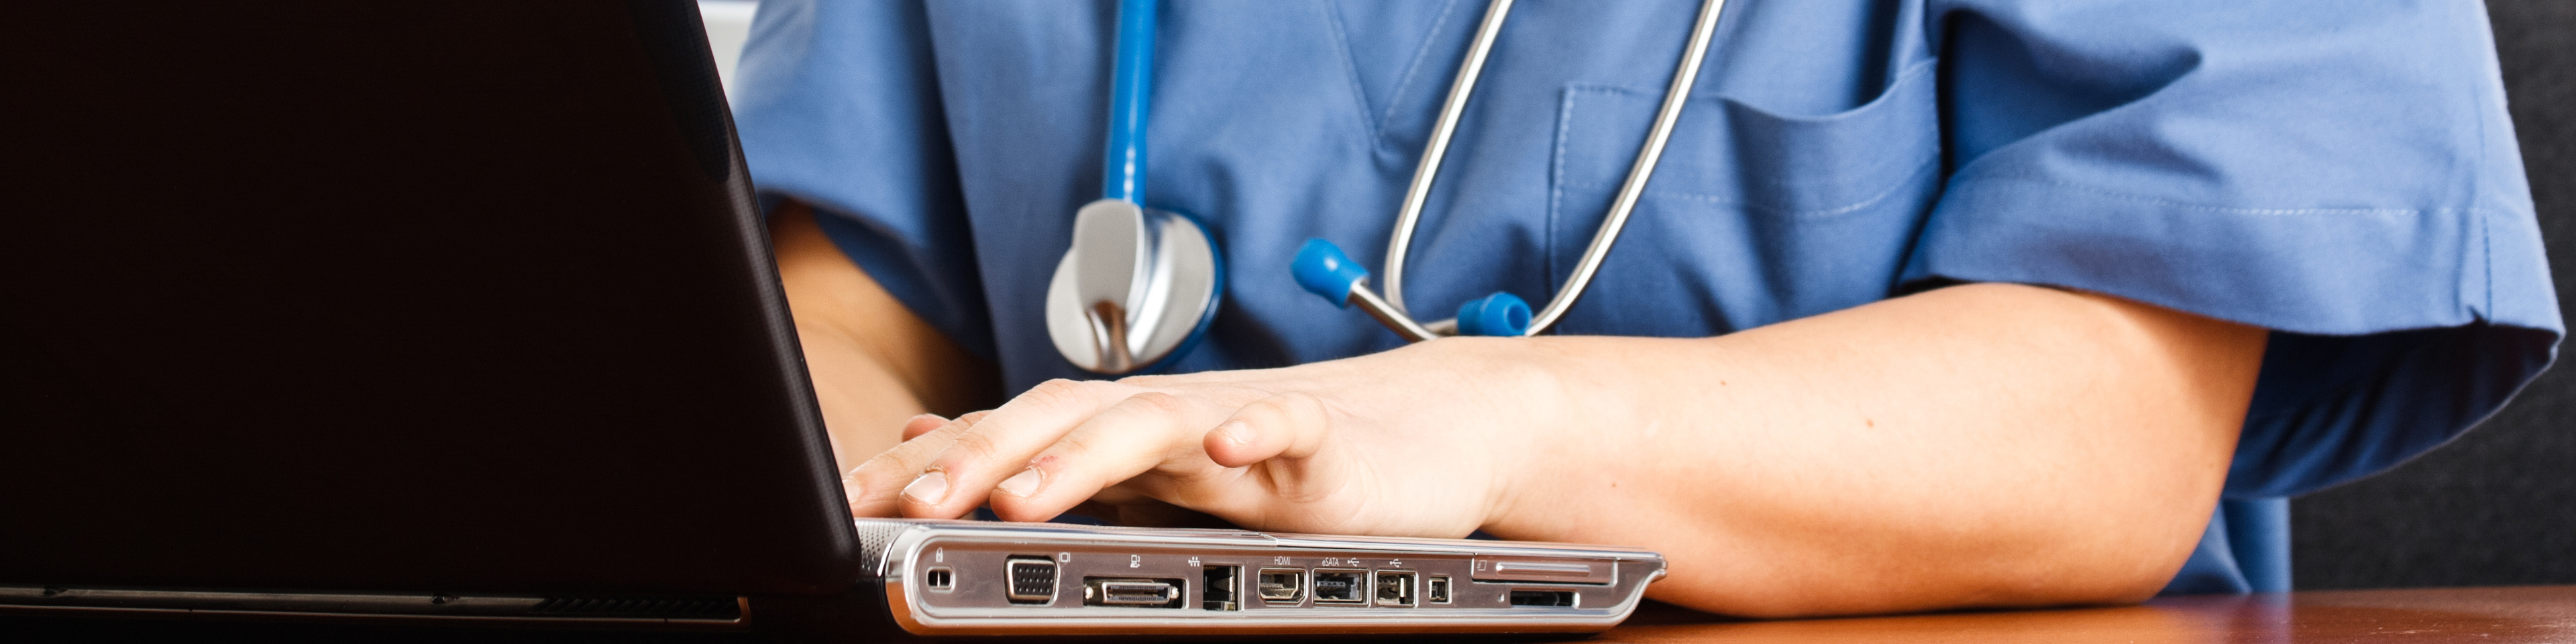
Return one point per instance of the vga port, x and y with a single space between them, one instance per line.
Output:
1032 579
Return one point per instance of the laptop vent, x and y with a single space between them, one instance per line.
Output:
629 606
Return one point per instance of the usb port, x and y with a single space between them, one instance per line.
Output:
1542 598
1394 587
1341 586
1282 585
1032 579
1222 584
1436 589
1131 592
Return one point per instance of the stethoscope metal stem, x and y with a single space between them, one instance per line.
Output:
1428 169
1676 94
1386 314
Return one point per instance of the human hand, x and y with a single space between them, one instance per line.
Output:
1420 441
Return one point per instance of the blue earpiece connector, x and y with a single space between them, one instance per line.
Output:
1501 314
1324 270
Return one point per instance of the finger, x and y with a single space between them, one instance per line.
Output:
922 424
1292 425
1132 437
1285 444
873 486
1000 445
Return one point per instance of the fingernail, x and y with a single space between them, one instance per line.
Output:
1024 484
928 489
1236 432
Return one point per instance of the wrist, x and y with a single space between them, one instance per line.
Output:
1560 462
1518 397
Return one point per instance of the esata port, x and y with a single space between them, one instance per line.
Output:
1341 586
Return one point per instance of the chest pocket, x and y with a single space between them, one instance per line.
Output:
1753 217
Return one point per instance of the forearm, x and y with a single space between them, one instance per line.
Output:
874 364
1982 445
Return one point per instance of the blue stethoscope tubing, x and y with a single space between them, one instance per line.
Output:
1131 89
1119 273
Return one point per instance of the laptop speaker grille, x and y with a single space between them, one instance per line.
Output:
874 538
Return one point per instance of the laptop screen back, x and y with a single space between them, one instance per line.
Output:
464 295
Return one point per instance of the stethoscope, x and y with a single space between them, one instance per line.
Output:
1139 286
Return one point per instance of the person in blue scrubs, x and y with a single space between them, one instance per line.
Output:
1932 303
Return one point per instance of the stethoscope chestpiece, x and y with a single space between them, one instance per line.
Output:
1137 285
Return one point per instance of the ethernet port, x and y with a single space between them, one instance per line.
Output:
1341 586
1282 586
1395 587
1221 586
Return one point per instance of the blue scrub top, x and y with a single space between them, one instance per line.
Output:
2344 175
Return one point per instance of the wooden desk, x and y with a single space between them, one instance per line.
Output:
2486 615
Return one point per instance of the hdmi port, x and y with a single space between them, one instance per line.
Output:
1283 586
1132 592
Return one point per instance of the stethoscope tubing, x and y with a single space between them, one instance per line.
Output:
1390 309
1131 93
1676 94
1428 169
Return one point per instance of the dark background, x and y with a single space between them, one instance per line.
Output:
2497 506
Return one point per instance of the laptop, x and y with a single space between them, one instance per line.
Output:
462 312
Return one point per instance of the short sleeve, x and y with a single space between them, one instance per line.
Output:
837 105
2343 174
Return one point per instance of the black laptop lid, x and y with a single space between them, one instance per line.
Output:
464 296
